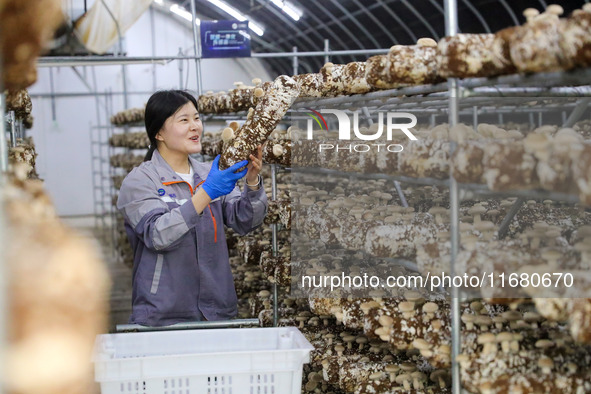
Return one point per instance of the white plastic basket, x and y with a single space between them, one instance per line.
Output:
221 361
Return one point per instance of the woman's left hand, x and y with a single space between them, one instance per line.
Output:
254 167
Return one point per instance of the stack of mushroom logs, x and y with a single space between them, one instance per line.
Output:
128 117
544 43
127 161
364 218
533 342
19 101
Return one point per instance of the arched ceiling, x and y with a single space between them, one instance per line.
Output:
364 24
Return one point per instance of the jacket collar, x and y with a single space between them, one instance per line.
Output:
168 175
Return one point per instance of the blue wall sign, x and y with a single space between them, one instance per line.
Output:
229 38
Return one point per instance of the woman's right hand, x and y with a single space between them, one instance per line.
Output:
221 182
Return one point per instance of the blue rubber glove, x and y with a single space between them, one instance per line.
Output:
218 182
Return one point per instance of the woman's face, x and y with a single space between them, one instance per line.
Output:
182 131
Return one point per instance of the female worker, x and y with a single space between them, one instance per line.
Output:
175 209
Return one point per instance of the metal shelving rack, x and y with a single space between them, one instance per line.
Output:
470 97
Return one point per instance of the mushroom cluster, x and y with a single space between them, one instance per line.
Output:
127 161
128 116
136 140
240 98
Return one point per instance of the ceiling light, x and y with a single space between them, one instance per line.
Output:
290 9
180 11
255 27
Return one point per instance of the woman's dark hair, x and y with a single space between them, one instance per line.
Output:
162 105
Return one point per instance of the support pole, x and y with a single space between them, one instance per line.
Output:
275 245
12 121
451 29
504 227
294 62
197 48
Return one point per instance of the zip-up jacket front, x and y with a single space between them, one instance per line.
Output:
181 269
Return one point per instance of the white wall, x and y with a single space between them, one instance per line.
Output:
63 143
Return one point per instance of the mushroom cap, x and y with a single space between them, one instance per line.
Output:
462 357
361 340
406 306
430 307
545 362
277 150
264 293
530 12
426 42
517 336
403 377
544 344
366 306
256 81
349 338
329 336
419 375
493 212
444 349
486 338
439 373
382 331
504 336
227 134
483 320
234 125
476 306
436 210
392 368
421 344
386 320
311 385
512 315
377 375
408 367
339 348
468 318
532 317
477 210
555 9
484 225
413 296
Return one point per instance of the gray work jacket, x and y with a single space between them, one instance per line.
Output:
181 270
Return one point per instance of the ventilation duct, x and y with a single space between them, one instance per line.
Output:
100 27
